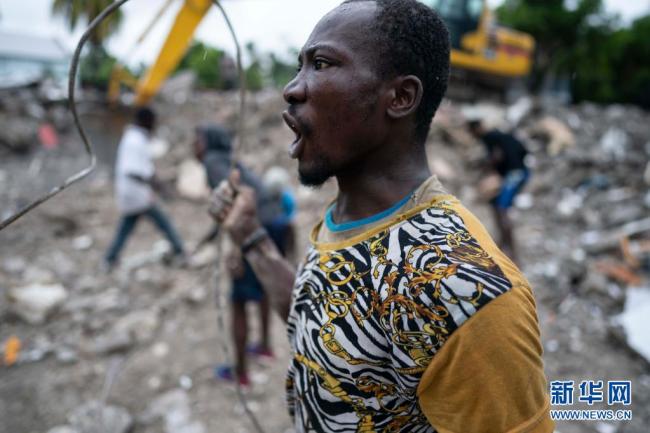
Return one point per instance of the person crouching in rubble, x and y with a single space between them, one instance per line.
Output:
404 315
506 157
135 186
213 147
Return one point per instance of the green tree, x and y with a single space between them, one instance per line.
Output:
254 73
205 61
587 45
557 29
76 12
631 48
97 63
280 73
95 68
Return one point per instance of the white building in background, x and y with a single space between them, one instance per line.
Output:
27 58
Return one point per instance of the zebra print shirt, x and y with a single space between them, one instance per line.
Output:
368 316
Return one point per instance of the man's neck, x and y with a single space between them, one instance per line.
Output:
373 188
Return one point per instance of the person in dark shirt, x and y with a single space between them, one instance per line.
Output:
213 147
506 155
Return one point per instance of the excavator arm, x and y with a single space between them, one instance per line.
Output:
178 39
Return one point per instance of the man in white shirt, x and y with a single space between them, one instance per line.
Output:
135 182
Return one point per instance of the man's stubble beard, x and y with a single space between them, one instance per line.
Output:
317 175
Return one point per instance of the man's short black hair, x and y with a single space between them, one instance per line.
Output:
145 117
412 39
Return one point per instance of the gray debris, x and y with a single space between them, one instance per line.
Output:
635 320
95 417
36 302
63 429
14 265
139 325
614 143
174 408
116 340
18 133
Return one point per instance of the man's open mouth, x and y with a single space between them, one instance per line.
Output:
296 147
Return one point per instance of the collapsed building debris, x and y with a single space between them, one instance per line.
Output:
581 222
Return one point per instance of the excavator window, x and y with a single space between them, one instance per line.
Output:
461 16
475 9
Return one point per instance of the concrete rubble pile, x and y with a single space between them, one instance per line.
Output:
585 216
23 109
137 347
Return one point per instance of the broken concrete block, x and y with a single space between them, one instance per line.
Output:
595 282
82 242
570 203
18 133
14 265
35 303
95 417
174 407
192 181
116 340
179 87
159 147
140 325
614 143
66 355
635 320
519 110
206 256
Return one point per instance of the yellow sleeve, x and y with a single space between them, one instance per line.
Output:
489 375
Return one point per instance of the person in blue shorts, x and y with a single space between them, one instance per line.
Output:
506 156
213 147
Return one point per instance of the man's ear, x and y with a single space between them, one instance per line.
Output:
406 95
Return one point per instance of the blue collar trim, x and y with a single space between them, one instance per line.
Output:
332 226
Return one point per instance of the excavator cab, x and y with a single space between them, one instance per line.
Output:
461 17
486 59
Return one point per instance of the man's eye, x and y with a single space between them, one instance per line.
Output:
320 64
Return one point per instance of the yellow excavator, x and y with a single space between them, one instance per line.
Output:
484 56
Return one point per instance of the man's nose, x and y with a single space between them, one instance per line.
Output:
295 91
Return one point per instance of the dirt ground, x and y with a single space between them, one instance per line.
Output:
177 340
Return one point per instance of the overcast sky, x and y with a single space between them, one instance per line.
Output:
274 25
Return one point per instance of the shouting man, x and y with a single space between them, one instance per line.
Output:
404 315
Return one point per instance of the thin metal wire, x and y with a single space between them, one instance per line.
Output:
73 108
240 144
242 86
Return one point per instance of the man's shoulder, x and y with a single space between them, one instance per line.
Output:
445 216
134 136
445 226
